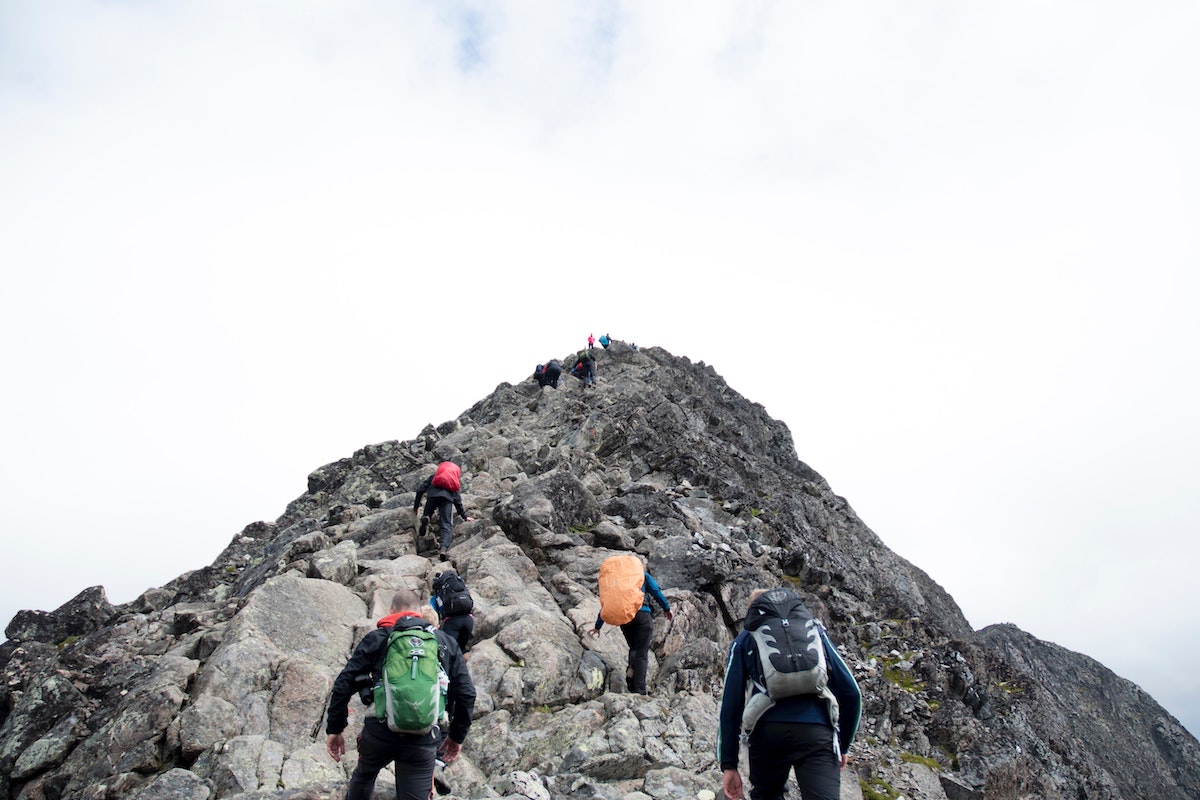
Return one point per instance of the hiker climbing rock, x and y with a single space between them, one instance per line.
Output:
625 592
402 662
788 692
442 487
548 374
585 368
453 602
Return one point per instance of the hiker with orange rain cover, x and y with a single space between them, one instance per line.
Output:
442 487
625 592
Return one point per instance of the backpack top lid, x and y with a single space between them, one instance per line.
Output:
452 591
773 603
448 580
448 476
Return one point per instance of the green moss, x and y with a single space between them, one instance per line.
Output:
877 789
794 581
67 642
934 705
1010 687
542 709
950 755
755 512
913 758
899 677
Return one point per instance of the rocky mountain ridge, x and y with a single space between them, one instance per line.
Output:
215 685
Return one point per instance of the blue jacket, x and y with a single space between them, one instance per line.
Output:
743 662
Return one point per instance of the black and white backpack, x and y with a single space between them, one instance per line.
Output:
791 655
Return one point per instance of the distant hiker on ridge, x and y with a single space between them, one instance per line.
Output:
605 341
442 487
591 342
548 375
585 368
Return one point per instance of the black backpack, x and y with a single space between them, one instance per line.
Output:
791 655
453 594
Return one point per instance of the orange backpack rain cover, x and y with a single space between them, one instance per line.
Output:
447 476
621 594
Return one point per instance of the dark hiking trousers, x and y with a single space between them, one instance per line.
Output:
776 748
444 507
378 747
460 627
637 634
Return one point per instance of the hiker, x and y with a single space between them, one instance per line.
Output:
415 754
591 342
605 341
442 487
585 368
453 602
806 724
548 375
639 629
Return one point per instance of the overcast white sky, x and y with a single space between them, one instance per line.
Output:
952 245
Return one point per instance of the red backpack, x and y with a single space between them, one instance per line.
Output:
448 476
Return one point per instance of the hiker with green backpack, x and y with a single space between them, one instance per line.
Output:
791 698
416 681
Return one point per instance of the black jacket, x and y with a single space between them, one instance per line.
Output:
437 491
367 659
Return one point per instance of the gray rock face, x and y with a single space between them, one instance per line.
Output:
215 685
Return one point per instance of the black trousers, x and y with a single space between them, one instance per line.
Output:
638 632
414 757
777 748
460 627
444 507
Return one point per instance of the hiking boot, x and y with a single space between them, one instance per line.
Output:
423 527
444 555
439 780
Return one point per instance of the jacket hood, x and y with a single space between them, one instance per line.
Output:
391 619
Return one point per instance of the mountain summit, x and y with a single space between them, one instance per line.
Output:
215 685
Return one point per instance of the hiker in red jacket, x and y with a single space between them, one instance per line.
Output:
442 487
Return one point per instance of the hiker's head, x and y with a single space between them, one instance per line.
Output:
405 600
757 593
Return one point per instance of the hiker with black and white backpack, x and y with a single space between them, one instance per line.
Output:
422 698
453 603
791 698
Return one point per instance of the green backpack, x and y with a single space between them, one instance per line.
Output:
410 697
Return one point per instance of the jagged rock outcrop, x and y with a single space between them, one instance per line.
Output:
214 686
